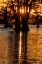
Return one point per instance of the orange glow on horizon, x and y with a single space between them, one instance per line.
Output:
22 10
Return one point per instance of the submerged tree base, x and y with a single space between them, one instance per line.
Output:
23 29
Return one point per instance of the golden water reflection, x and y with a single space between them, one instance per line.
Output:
34 46
21 47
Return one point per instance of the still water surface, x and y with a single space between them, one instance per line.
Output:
21 47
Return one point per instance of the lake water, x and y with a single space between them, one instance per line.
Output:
21 47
